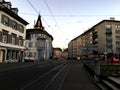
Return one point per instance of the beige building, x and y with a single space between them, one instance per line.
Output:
65 54
12 33
57 53
102 38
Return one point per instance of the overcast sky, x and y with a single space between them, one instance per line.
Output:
66 19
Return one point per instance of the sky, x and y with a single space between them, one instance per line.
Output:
66 19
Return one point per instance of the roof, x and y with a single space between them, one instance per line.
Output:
38 28
100 23
12 14
94 27
39 31
39 23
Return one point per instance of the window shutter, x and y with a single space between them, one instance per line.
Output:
17 41
9 38
2 19
22 42
1 36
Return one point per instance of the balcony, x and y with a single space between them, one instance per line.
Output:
108 32
108 38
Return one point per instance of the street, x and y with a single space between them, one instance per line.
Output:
16 78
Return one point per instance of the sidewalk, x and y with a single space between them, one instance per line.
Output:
78 78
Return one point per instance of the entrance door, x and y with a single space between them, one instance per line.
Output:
40 54
1 55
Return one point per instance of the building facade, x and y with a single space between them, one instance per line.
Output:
57 53
65 54
38 43
102 38
12 33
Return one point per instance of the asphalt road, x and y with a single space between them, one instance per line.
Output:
17 78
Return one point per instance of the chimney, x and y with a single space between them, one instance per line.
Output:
112 18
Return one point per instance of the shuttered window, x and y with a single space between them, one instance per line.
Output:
9 38
1 36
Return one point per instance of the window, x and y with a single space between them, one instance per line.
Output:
118 49
13 41
30 44
117 26
117 31
33 54
118 43
42 36
117 37
41 43
20 28
34 35
26 44
34 44
20 41
5 20
4 36
108 26
13 38
4 39
14 25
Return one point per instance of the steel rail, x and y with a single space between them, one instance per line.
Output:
41 77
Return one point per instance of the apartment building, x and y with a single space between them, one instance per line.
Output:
102 38
38 43
12 33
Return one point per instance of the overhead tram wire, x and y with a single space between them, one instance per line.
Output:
41 17
53 16
51 12
32 6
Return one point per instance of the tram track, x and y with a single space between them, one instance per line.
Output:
15 79
46 81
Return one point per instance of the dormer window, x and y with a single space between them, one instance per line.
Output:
15 10
7 4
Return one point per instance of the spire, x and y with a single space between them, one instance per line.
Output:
38 24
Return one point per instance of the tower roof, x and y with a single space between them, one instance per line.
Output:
38 24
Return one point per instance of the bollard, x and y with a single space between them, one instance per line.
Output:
97 70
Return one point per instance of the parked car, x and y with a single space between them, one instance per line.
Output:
113 60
